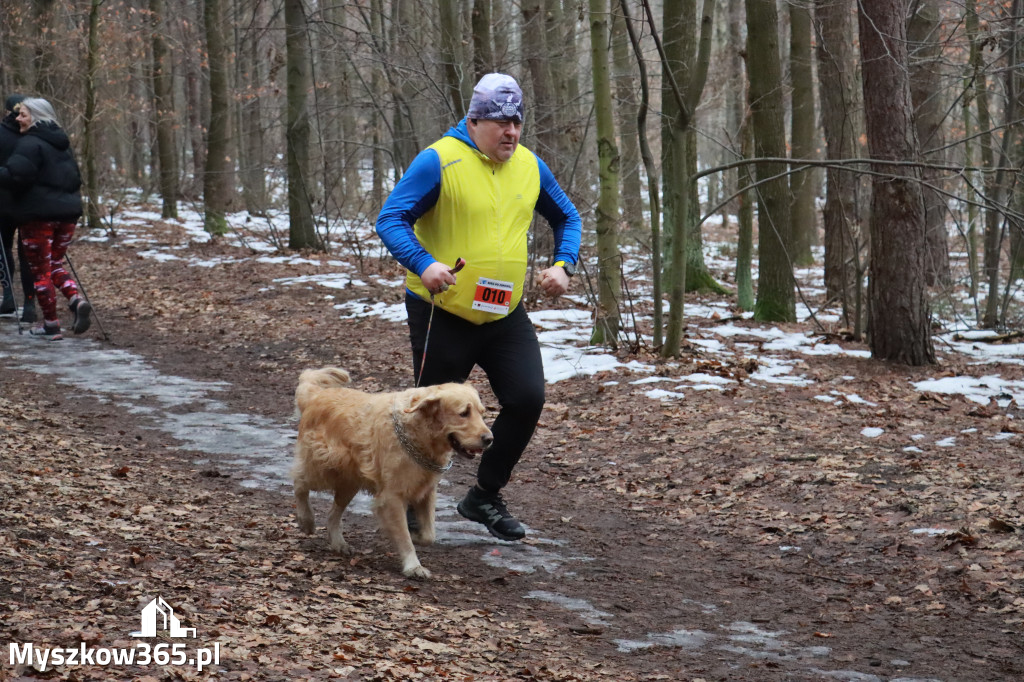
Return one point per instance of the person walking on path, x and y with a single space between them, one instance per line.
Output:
9 135
45 182
470 197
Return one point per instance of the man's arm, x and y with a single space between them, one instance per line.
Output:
559 211
415 194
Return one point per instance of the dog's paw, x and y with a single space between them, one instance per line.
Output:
339 546
417 572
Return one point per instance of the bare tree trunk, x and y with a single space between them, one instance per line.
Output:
334 110
745 218
629 149
196 106
900 324
483 49
926 83
302 231
163 103
974 66
567 119
141 150
736 119
405 137
15 58
609 265
452 56
543 104
1012 156
652 177
1016 236
562 35
500 15
250 119
377 82
995 189
218 175
840 102
92 213
679 20
545 131
991 239
804 133
697 275
776 287
42 60
684 73
352 145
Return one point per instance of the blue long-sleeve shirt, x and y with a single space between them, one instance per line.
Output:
420 188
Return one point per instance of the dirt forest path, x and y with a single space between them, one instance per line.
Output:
747 534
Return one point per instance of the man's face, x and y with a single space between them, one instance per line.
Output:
497 139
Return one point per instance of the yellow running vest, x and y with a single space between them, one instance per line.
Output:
483 215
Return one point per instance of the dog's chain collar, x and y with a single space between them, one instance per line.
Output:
411 448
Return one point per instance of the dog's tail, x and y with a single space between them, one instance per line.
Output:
313 380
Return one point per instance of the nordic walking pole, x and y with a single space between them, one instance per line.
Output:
81 286
9 280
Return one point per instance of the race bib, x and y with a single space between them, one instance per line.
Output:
493 295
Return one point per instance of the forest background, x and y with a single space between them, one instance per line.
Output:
882 136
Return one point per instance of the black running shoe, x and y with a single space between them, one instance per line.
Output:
489 509
83 310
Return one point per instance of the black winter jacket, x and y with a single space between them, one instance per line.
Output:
9 136
43 176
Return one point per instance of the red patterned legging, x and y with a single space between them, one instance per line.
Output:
45 245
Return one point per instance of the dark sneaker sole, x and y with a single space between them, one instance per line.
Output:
83 321
490 529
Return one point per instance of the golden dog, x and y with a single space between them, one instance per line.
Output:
395 446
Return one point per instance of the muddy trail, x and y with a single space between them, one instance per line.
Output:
750 533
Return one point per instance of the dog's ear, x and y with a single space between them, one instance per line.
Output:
426 403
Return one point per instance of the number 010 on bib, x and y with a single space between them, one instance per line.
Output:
493 295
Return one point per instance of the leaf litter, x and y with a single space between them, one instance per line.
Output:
754 503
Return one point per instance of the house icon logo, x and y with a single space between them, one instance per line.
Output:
159 609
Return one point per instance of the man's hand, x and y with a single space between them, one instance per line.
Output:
437 278
554 281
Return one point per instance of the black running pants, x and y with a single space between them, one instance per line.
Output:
10 246
508 352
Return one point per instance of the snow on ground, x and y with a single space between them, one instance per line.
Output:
564 334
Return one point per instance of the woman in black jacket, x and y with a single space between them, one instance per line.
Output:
44 178
9 136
